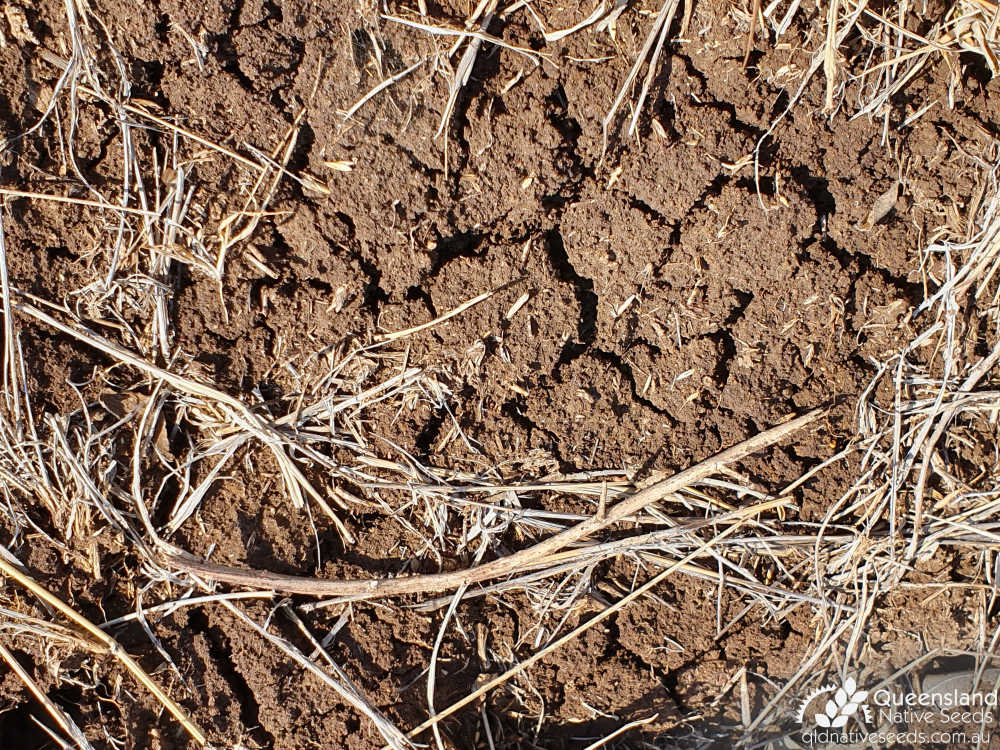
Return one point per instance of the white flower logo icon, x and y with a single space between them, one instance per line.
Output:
842 706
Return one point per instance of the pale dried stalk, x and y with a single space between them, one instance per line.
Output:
530 557
395 335
65 723
108 643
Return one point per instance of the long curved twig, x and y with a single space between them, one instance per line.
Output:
519 561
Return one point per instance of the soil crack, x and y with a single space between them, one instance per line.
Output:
222 654
586 298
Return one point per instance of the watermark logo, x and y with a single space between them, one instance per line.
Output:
831 707
945 711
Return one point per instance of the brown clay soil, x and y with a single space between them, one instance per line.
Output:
669 317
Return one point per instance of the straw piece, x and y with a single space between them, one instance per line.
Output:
107 642
525 559
385 337
576 632
66 724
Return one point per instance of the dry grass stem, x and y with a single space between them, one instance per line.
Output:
576 632
108 643
396 335
64 722
519 561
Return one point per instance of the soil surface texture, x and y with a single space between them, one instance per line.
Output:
675 305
